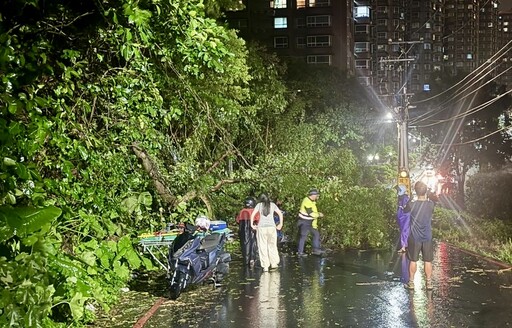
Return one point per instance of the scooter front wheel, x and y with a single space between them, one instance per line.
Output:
177 287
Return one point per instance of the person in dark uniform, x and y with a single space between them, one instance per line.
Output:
246 234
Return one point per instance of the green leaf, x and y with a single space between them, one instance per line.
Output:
129 204
26 220
121 270
76 305
9 161
89 258
145 198
22 171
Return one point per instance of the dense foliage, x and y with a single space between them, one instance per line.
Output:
490 237
119 116
489 194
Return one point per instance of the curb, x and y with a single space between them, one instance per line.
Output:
486 258
142 321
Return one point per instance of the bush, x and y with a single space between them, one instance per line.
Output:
357 217
489 194
489 237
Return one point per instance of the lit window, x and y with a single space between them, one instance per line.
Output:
469 56
319 3
277 4
426 87
301 4
362 12
280 22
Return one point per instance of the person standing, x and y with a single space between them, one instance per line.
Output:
402 217
420 237
246 234
308 223
266 232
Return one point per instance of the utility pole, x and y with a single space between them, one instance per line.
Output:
401 113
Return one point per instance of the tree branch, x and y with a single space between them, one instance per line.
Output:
153 173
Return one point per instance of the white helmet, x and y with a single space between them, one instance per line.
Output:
202 222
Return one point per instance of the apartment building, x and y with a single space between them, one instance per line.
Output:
318 32
505 45
393 46
413 42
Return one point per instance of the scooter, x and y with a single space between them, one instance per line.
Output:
197 256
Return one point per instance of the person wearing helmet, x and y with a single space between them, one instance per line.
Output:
402 217
202 222
246 234
308 223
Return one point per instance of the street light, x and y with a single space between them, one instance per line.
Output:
373 157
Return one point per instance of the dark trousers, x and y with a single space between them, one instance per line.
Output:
305 228
247 241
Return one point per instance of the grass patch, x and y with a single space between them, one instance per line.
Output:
488 237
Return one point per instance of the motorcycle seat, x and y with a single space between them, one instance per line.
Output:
209 242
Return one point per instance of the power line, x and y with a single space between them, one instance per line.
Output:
464 88
477 139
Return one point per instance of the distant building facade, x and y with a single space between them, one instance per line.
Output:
312 31
392 46
505 43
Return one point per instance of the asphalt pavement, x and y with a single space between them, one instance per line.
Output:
349 289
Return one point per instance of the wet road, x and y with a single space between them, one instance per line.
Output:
353 289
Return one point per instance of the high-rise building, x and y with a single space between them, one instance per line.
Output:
395 47
312 31
505 45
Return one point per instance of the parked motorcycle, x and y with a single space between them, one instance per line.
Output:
197 255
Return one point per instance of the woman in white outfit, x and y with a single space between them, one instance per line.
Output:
266 234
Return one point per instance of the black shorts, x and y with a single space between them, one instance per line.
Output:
414 248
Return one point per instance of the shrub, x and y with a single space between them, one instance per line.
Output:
489 194
490 237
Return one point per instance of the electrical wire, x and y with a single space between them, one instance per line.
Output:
477 71
469 112
432 113
477 139
465 87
